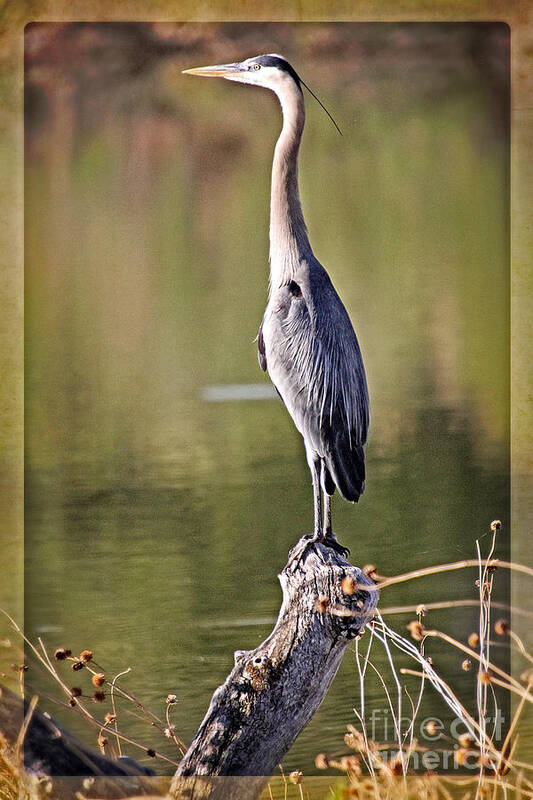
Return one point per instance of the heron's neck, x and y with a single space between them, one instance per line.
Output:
289 243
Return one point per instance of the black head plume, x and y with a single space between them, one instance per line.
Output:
321 104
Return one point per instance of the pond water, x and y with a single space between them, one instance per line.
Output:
165 483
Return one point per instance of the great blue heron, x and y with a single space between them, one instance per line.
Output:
306 340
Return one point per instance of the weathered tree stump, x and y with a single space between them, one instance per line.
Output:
254 717
274 690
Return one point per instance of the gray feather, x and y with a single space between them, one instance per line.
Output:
315 362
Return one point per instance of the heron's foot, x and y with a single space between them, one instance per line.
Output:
330 540
298 551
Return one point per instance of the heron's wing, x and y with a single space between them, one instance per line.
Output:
318 368
337 376
345 462
261 352
340 400
315 363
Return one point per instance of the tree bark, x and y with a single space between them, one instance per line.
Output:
274 690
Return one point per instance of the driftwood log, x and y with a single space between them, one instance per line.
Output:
274 690
50 751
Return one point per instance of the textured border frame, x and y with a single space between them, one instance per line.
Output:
15 14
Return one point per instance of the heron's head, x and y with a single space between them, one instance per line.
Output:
270 71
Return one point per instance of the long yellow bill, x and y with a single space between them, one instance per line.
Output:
217 71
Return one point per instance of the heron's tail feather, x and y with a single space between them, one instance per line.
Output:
347 467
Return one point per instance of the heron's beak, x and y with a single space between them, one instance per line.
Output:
217 71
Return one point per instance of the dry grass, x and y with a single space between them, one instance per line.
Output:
385 770
15 782
371 769
83 686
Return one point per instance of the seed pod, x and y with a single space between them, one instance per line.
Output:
348 585
86 656
321 761
464 741
485 676
501 627
350 764
370 570
416 629
395 767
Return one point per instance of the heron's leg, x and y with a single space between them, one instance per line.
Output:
329 537
318 532
299 550
328 533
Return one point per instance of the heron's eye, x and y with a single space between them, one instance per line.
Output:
257 66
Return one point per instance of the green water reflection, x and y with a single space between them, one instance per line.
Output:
156 523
